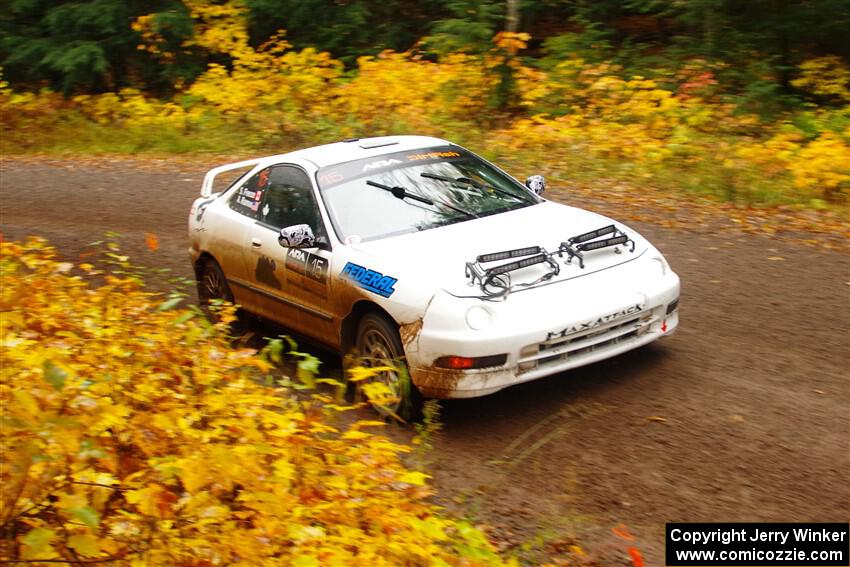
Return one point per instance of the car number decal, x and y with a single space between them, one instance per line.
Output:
370 280
307 264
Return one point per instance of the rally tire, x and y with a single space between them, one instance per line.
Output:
378 344
212 286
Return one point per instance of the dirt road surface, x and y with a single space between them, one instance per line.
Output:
742 415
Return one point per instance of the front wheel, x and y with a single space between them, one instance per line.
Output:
378 344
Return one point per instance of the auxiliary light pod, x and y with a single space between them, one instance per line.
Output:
495 282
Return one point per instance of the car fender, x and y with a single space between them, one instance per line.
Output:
404 295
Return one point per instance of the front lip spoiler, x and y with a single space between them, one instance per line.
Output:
448 384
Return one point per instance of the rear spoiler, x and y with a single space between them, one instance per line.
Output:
209 178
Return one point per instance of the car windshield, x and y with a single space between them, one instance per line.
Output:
415 190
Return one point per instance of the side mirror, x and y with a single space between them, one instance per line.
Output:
536 183
297 236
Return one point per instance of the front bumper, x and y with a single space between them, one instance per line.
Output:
543 330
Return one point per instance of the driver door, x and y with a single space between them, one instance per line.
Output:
292 285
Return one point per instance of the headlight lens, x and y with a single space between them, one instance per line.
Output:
478 318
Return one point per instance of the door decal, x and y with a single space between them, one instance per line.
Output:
265 272
370 280
307 264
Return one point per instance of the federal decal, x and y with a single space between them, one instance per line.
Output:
370 280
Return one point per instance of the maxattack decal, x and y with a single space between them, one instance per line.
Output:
637 308
369 280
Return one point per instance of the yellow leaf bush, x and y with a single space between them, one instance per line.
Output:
22 113
133 432
132 108
581 113
398 92
825 76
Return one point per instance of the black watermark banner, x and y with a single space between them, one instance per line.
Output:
758 545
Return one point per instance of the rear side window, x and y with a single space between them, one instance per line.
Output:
247 198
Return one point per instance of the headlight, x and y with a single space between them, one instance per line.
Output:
478 318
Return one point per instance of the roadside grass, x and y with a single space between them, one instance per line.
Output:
677 178
77 136
74 136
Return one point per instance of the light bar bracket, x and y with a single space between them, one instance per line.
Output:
495 281
497 276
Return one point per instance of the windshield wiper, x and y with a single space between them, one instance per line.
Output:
402 193
468 181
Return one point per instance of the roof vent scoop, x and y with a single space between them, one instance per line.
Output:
373 143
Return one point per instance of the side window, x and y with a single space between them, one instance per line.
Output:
288 200
247 198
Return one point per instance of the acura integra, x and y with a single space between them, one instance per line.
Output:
415 251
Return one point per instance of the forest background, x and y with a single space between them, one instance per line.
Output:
739 101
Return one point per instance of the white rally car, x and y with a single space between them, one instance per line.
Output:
414 249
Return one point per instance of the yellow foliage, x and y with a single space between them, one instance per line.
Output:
399 89
132 108
21 112
636 121
134 432
825 76
273 80
152 41
608 116
220 27
511 42
823 165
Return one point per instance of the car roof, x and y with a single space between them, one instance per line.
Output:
358 148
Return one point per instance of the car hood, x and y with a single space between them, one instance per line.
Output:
439 255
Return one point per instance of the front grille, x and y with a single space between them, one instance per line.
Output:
580 343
